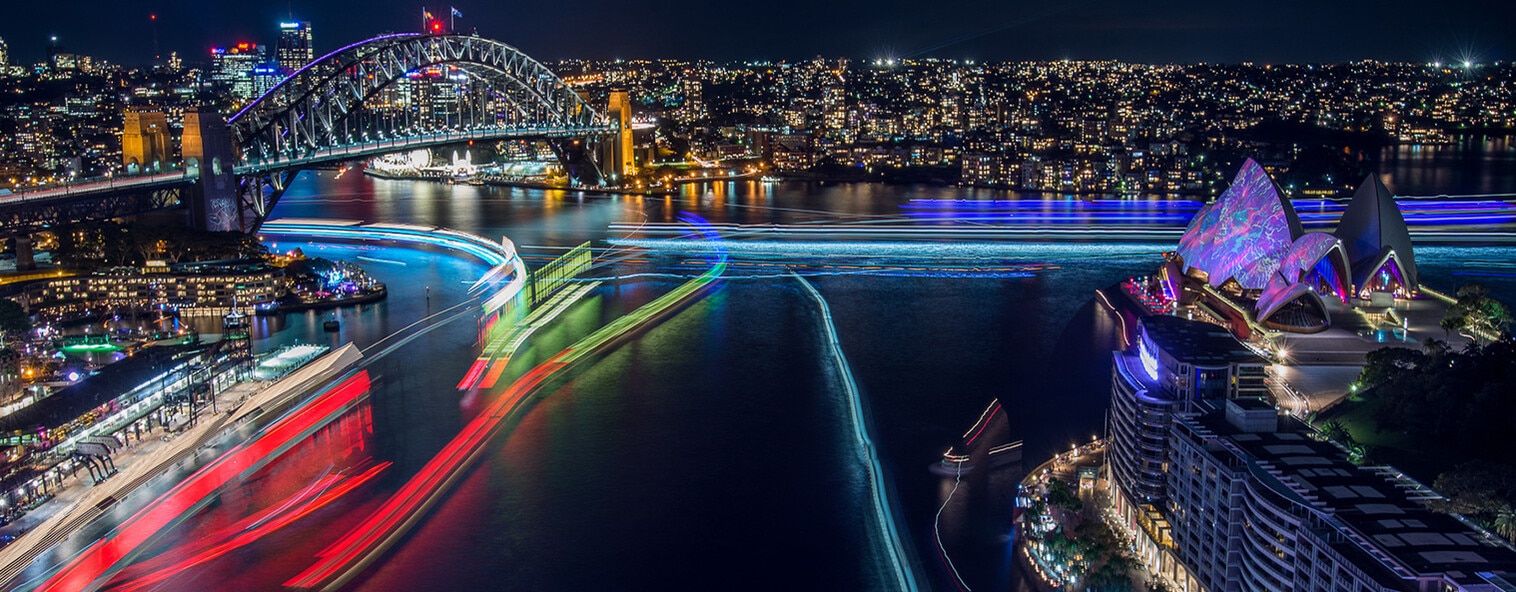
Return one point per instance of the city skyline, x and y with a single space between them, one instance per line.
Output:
582 299
1189 32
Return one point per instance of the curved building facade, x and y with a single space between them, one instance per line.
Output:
1250 243
1378 243
1258 505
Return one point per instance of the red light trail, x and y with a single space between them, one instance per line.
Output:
348 556
107 555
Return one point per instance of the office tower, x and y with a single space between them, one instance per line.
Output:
294 50
233 67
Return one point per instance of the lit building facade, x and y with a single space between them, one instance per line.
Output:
619 161
209 290
145 140
294 50
1176 364
232 68
1256 504
1248 253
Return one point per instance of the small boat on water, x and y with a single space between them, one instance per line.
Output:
331 325
986 443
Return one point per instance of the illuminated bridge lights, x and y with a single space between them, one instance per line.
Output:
106 555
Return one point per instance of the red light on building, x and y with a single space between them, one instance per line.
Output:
436 27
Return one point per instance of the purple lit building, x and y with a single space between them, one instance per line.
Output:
1245 260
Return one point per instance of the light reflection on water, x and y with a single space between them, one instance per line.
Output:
709 446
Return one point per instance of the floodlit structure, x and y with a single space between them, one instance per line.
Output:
1378 243
1249 247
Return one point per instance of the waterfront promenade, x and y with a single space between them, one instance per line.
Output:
141 466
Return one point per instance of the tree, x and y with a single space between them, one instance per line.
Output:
1334 430
1478 488
13 320
1475 313
1505 523
1060 495
1387 364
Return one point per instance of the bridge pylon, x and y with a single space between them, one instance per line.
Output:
25 257
616 159
208 147
580 158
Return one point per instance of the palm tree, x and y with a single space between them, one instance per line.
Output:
1505 523
1334 430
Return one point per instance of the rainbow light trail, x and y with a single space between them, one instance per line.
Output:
346 558
486 250
105 556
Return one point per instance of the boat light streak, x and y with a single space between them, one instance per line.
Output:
106 555
899 562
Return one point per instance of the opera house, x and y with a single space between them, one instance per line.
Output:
1246 260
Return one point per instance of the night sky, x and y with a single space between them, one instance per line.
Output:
1182 31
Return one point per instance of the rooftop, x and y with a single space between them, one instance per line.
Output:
1197 343
1377 505
98 389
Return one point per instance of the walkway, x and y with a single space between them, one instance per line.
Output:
80 501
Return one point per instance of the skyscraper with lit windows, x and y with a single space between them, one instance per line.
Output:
294 50
232 68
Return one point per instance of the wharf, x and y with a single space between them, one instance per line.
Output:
79 501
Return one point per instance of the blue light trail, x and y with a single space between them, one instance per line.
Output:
900 563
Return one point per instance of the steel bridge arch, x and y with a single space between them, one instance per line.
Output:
311 116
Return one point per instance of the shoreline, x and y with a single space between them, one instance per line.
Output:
369 298
519 184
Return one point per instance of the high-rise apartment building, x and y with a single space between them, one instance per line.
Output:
1222 493
1257 504
1177 363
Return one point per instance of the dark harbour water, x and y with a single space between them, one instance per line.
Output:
711 451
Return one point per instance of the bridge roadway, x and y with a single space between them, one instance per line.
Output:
320 114
98 185
14 206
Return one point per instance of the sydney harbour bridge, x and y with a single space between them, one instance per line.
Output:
235 169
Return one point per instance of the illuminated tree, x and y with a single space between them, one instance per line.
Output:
1475 313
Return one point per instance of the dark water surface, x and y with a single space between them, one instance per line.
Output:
711 452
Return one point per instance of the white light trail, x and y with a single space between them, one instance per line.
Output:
899 562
